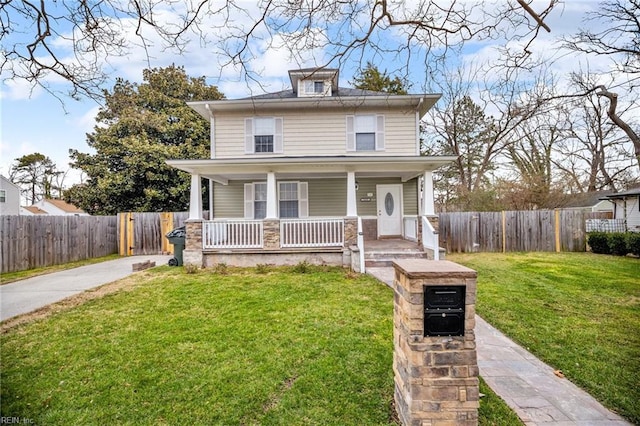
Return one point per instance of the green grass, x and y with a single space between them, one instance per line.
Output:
579 312
243 347
6 278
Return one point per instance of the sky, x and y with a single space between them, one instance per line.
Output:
33 120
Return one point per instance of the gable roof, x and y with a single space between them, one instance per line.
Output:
586 199
7 181
35 210
63 205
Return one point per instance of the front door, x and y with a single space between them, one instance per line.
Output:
389 210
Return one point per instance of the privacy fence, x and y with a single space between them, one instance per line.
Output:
28 242
506 231
35 241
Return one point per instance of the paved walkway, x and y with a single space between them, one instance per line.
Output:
34 293
525 383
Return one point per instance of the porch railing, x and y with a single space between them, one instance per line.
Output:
232 234
316 232
430 238
410 224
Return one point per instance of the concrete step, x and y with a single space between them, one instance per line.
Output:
382 259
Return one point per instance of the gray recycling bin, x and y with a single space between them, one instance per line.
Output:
177 237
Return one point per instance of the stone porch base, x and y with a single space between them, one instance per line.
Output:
278 258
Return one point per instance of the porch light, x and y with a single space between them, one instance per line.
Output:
356 185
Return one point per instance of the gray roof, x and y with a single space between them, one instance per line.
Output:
623 194
341 92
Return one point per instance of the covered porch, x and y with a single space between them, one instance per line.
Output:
346 187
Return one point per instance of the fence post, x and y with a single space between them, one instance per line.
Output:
504 231
557 229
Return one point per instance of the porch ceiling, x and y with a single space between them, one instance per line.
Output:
224 170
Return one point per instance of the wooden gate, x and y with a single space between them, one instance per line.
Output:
145 233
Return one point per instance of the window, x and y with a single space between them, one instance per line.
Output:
365 132
263 135
3 195
292 200
260 200
288 199
314 87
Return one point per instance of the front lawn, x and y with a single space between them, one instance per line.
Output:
579 312
234 347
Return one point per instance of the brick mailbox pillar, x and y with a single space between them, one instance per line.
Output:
434 360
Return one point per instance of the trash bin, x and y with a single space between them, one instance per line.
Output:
177 237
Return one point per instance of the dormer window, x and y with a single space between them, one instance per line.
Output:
314 87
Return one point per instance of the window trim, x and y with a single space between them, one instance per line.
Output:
250 133
250 198
379 130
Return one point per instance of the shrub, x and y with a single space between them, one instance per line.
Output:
262 268
221 269
191 268
618 243
633 243
599 242
302 267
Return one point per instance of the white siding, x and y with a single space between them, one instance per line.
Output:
316 133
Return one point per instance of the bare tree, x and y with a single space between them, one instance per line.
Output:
97 32
619 41
595 155
476 121
531 155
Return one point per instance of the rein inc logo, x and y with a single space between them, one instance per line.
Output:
16 421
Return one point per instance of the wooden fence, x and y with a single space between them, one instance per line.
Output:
534 230
36 241
145 233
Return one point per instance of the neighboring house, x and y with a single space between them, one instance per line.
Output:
32 210
627 207
9 197
590 202
300 174
54 207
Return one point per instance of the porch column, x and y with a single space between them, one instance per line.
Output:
352 207
195 198
428 208
272 196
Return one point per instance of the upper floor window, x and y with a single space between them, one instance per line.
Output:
365 132
3 195
263 135
316 87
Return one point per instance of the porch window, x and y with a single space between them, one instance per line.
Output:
365 132
293 200
263 135
288 199
260 200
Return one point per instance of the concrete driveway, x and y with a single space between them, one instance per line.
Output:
30 294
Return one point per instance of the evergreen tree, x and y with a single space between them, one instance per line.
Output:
372 79
139 128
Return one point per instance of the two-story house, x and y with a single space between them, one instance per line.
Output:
300 174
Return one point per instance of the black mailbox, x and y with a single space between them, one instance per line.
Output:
444 310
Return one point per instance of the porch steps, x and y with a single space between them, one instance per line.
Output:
386 258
